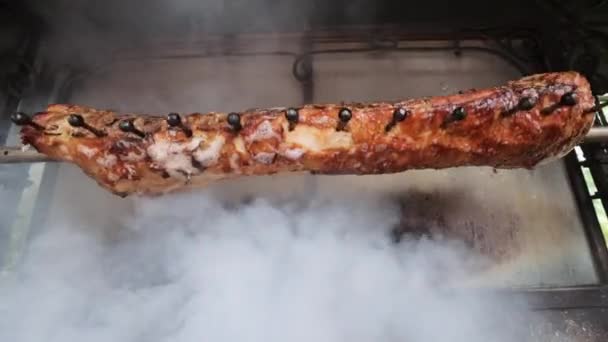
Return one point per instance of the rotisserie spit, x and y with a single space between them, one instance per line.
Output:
520 125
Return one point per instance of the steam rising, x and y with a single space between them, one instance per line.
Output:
89 32
191 268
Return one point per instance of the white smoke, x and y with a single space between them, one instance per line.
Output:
190 268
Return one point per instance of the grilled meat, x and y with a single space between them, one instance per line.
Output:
520 125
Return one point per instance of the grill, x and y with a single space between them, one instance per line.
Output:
541 229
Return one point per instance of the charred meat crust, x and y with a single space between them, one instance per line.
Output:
518 125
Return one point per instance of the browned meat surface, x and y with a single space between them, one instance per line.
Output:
519 125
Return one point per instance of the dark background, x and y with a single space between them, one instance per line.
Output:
139 18
97 26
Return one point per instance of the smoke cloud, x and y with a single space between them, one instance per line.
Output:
194 267
191 268
89 32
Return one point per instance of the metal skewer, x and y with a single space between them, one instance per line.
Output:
596 135
13 154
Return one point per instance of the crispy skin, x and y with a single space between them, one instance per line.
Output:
495 133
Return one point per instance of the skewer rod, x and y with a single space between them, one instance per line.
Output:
597 135
12 155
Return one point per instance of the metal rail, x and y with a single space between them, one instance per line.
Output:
14 154
597 135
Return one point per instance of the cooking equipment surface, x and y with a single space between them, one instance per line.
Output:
526 221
